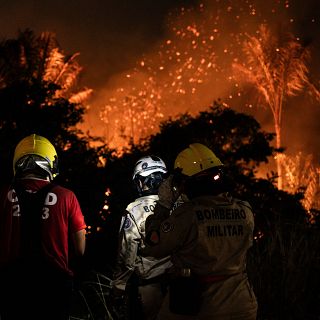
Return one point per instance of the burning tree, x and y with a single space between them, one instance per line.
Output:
39 94
134 111
277 68
40 59
301 174
175 77
64 71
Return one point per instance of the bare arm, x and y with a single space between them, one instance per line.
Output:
79 241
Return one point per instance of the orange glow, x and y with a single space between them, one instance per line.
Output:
189 69
186 71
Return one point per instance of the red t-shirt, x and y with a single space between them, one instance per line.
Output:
61 217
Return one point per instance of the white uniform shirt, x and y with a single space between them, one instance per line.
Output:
132 232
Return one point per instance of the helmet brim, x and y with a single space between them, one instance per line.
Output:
149 171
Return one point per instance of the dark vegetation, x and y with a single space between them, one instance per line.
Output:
283 264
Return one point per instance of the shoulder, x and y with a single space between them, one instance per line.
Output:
61 189
183 208
243 203
142 201
64 193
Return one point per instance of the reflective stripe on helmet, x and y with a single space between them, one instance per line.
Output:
196 158
148 165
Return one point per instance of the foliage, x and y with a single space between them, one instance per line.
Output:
285 271
301 173
276 265
284 262
235 137
38 94
93 300
277 66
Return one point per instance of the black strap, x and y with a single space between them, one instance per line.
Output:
31 210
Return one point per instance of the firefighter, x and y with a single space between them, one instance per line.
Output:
141 276
207 238
38 219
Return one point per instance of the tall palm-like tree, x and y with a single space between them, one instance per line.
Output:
40 59
39 92
277 66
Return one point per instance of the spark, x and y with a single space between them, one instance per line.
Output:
186 71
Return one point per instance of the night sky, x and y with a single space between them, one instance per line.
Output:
111 35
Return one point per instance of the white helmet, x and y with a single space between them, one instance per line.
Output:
148 174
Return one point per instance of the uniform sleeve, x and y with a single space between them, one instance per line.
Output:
76 218
128 247
172 232
153 222
129 240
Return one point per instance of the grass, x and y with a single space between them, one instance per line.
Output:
283 267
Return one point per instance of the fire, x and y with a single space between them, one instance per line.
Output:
301 174
189 68
186 71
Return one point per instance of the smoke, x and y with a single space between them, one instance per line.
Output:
123 44
190 66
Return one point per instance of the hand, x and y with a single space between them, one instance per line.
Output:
168 192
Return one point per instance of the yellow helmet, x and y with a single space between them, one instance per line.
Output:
42 152
196 158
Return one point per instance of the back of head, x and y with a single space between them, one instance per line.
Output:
203 171
35 155
149 172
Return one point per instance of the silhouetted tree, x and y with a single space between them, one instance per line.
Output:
277 66
286 247
39 94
